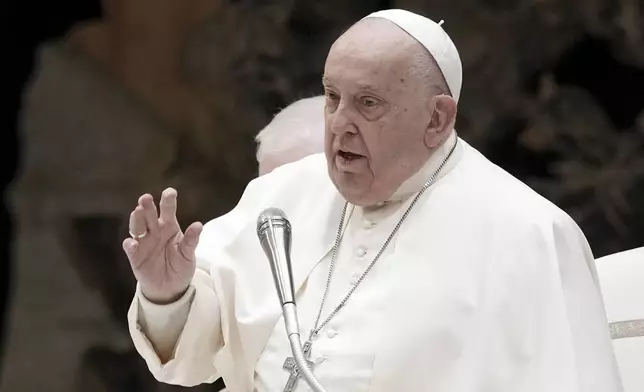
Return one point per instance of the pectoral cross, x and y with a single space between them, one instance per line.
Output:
291 366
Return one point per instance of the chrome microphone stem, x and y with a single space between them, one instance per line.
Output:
274 232
291 320
293 331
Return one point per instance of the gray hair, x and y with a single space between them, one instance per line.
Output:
295 132
424 65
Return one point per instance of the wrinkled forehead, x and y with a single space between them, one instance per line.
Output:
373 52
374 36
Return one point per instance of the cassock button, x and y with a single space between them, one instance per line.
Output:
360 252
367 224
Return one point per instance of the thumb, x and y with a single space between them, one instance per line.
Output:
190 240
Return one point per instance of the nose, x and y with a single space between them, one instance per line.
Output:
341 121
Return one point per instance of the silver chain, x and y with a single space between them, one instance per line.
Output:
316 329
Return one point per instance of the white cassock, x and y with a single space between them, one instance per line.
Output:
486 287
622 279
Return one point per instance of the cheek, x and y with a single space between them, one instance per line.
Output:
328 140
378 140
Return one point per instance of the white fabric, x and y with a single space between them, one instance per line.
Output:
162 324
344 354
432 36
622 279
488 287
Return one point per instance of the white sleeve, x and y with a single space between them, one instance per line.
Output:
548 330
588 335
162 324
565 330
186 333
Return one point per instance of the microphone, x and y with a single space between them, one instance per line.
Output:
274 233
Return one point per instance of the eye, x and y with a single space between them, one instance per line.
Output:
369 102
332 100
331 96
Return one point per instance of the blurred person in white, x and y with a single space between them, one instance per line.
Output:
426 266
621 276
294 133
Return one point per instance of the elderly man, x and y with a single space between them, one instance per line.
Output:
295 132
418 264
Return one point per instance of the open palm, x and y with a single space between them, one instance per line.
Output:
161 255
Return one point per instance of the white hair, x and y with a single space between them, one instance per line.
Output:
294 133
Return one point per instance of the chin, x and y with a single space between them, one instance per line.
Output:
350 192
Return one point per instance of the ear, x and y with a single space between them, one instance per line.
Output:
443 110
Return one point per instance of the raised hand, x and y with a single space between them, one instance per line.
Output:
161 256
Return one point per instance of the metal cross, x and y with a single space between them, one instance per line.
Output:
291 366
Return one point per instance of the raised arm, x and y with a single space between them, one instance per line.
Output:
174 319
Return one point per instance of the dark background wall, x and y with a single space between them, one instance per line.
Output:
29 23
553 93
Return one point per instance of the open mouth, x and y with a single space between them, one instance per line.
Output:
348 156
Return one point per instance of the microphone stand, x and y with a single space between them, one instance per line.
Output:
292 330
274 232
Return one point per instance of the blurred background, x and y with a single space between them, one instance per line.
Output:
110 99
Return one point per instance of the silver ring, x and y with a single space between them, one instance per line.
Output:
138 236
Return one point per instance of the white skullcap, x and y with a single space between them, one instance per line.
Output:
432 36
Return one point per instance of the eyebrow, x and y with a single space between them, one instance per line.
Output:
361 86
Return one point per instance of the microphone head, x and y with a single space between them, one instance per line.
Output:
272 216
274 233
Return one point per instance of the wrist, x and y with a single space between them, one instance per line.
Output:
162 298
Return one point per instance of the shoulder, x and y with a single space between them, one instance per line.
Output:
303 177
494 194
299 189
288 187
628 257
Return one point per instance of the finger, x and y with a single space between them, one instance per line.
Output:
130 246
190 240
168 205
149 211
138 226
